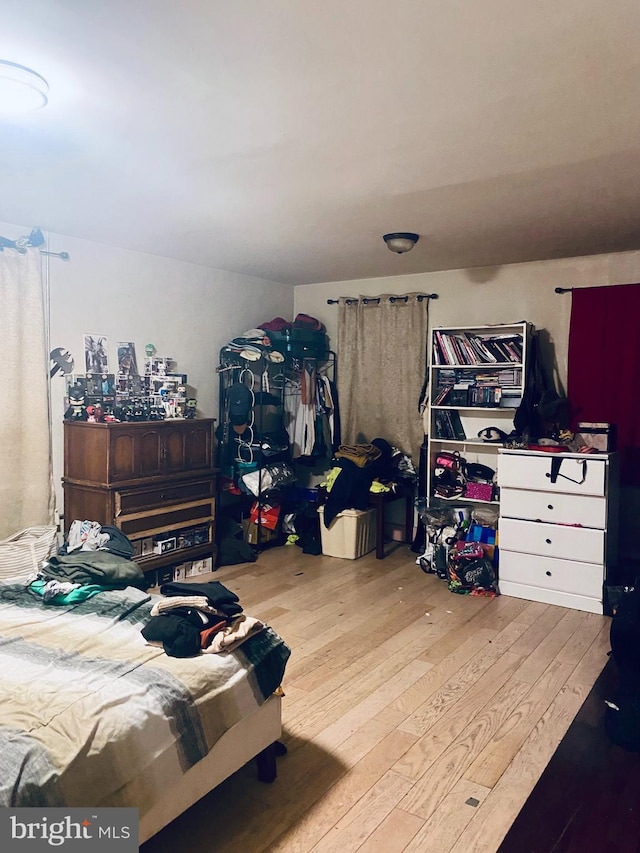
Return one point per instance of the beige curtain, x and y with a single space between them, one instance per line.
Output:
26 483
382 350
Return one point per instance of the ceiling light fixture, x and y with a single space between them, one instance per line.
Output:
401 241
21 89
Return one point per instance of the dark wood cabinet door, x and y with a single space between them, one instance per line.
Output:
122 452
173 449
198 445
149 453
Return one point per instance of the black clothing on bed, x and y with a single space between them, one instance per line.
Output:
217 594
179 638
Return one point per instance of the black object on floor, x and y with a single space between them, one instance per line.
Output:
588 797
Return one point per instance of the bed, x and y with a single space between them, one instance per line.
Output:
92 715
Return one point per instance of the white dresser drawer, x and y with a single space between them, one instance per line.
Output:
582 544
535 472
552 596
549 573
587 510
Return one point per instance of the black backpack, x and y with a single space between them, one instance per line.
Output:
622 715
542 410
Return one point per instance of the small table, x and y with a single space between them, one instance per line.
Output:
379 500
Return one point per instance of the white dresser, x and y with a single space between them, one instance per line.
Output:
558 526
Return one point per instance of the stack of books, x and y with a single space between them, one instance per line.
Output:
448 425
470 348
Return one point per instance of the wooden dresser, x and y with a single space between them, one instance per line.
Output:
558 527
154 480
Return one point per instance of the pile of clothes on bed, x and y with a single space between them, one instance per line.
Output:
191 618
185 620
94 558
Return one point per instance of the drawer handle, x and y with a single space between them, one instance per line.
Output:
549 506
548 574
548 541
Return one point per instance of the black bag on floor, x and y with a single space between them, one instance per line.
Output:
622 716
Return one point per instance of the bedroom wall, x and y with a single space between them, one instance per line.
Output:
497 295
487 295
187 311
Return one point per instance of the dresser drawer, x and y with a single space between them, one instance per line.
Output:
576 476
138 525
133 500
587 510
553 574
582 544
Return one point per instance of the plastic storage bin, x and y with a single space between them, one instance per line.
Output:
351 534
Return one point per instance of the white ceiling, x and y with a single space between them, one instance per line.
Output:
282 138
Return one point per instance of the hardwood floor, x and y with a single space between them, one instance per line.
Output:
415 719
587 798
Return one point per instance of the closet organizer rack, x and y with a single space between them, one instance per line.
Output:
271 440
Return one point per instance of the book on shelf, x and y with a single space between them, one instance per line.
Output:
456 425
484 355
485 395
441 394
441 426
475 348
459 395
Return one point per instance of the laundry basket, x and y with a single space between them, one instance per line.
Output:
22 553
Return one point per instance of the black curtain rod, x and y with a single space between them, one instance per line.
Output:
567 289
350 300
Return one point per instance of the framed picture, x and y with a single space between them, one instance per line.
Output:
127 363
95 354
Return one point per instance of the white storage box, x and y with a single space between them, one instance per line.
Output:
351 534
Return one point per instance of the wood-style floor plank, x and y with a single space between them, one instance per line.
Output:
416 720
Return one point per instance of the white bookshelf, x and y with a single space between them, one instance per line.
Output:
482 393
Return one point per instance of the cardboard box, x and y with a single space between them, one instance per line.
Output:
151 577
598 436
164 544
180 571
185 539
251 533
202 567
201 534
164 575
146 545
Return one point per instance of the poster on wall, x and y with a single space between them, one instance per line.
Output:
127 364
95 354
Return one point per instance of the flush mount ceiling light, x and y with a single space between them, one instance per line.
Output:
21 89
401 241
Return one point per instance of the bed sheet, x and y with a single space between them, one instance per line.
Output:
92 715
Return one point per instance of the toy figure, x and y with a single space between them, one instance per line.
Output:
190 407
76 410
95 414
138 412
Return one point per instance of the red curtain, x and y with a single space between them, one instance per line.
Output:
603 382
